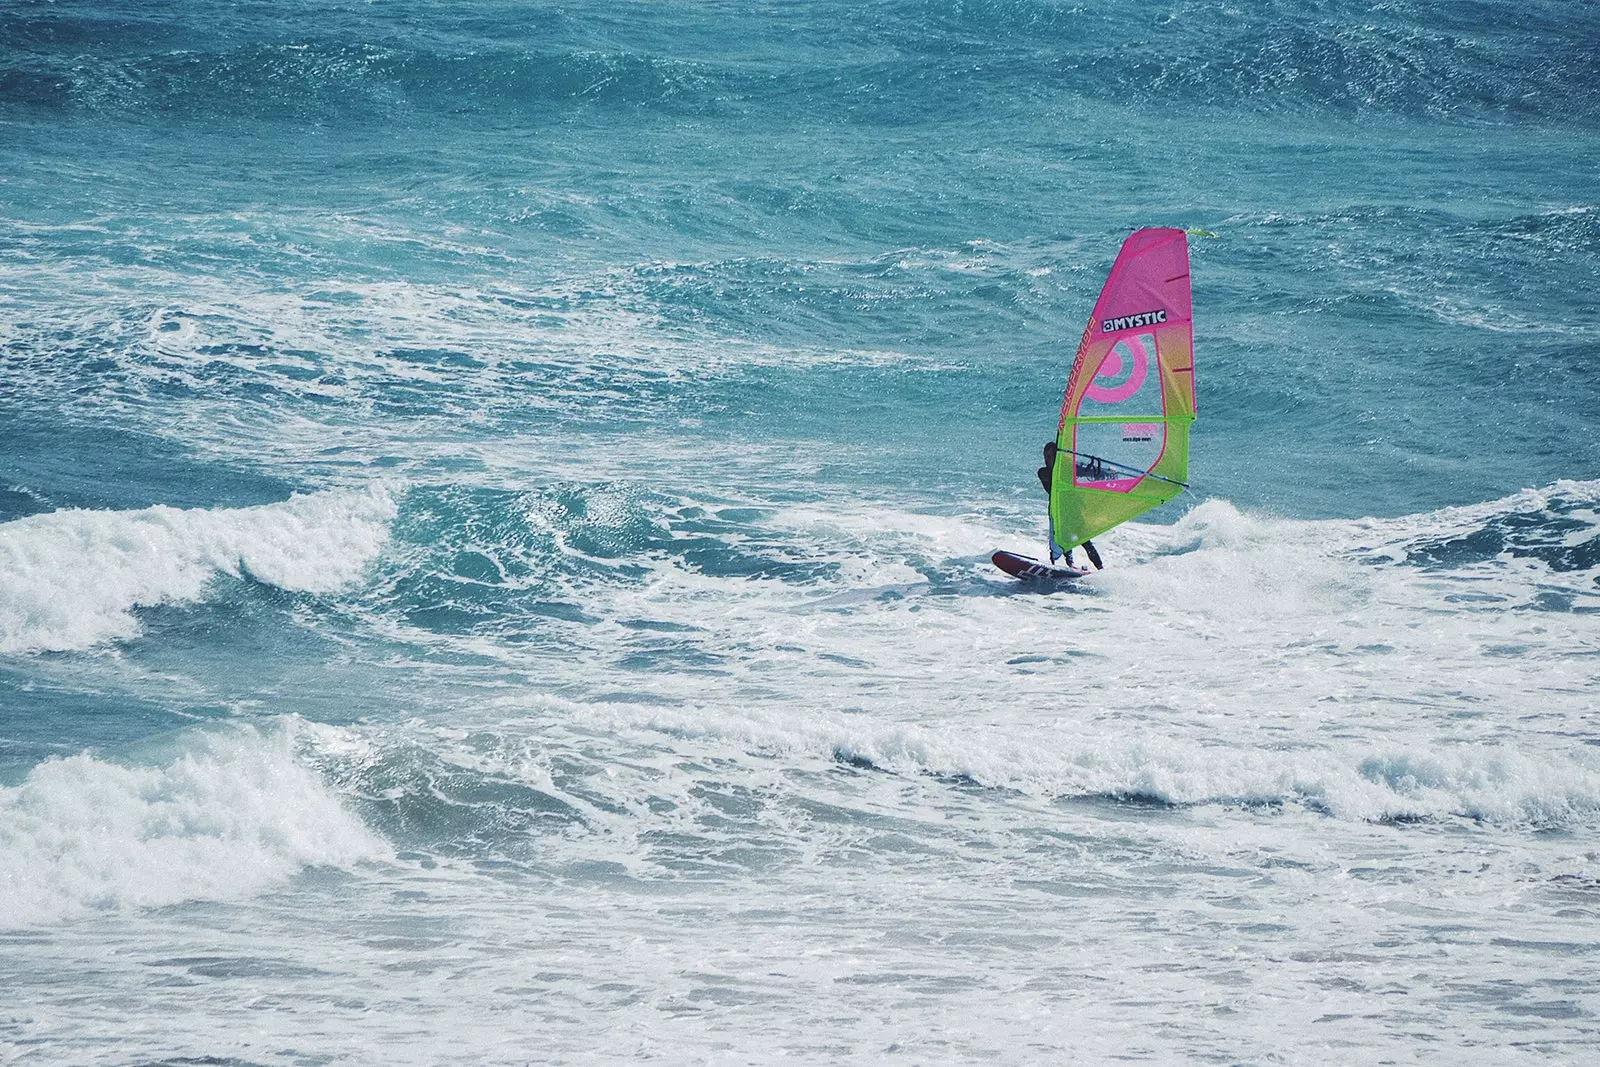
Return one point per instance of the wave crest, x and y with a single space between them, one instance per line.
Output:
231 815
71 579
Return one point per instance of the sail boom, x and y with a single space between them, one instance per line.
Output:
1131 470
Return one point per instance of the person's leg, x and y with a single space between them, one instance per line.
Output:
1094 557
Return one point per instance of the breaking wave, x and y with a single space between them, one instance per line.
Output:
71 579
231 814
1488 783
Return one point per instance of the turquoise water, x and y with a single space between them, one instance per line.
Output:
495 506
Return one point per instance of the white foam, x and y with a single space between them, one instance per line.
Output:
232 815
315 358
1493 783
70 579
1230 657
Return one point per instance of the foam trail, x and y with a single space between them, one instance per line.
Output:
70 579
232 815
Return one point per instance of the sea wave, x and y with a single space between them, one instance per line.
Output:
1493 784
232 813
71 579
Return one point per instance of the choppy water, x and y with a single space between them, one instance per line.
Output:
494 513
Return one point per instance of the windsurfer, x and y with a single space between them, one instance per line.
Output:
1046 475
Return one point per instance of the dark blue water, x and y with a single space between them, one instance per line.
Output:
499 494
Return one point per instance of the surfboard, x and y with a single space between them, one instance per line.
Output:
1032 570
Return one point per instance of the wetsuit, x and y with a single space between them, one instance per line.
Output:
1046 477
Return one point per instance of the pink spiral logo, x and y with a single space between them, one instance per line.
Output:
1106 388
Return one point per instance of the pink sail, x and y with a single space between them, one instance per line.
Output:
1124 430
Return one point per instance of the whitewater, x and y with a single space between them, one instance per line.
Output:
495 506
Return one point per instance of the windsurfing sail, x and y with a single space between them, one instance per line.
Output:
1123 439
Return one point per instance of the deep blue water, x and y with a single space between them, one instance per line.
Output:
495 498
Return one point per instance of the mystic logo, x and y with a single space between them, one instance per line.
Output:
1128 322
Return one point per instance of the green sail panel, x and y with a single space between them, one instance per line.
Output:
1123 439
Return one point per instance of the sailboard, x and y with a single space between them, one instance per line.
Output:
1122 442
1029 569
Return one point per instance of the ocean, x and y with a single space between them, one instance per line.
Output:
495 506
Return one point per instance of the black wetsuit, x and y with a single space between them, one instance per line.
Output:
1046 477
1094 557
